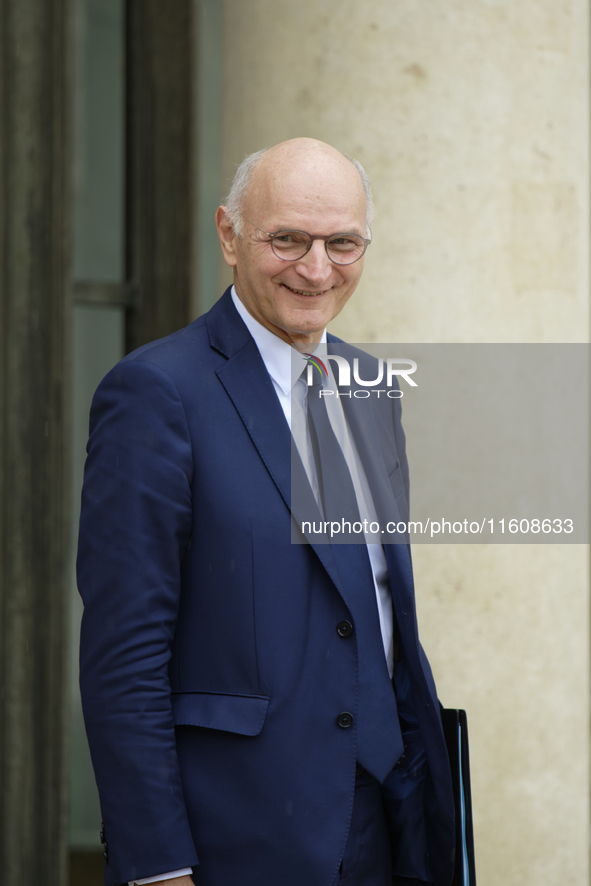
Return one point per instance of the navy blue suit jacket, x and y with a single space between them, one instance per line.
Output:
212 673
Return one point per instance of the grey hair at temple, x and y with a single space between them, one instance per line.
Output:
235 199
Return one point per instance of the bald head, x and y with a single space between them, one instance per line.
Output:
301 185
274 169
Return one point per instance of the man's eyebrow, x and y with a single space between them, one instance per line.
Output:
283 228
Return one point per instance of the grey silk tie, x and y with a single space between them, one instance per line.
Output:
379 738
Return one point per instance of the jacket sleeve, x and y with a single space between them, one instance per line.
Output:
134 528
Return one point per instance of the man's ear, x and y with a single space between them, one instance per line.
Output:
226 235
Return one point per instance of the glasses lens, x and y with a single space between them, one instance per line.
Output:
344 249
290 245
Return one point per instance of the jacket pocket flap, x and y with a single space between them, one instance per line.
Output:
243 714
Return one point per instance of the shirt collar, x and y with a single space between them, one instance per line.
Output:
276 353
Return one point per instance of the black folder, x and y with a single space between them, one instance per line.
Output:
455 730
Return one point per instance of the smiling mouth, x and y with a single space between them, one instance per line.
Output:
302 292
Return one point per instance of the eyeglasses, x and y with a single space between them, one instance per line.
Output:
342 249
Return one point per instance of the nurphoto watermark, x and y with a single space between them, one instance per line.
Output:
441 444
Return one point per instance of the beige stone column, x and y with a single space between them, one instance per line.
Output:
472 119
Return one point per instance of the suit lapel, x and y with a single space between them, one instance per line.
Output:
361 421
249 386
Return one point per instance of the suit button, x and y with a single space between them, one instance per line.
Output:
345 720
344 629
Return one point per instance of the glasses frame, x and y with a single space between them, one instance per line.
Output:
272 234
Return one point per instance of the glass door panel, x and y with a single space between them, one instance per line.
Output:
98 330
98 344
99 164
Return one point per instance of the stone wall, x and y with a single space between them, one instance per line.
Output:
471 118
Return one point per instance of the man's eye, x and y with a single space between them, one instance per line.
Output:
344 243
290 240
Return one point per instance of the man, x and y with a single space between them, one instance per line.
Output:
238 688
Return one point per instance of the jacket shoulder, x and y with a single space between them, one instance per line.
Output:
173 350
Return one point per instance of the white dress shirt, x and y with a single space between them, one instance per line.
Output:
277 357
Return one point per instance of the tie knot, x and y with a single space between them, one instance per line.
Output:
314 370
313 376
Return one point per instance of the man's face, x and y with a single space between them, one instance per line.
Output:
321 195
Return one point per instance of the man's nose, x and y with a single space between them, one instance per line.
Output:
315 265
